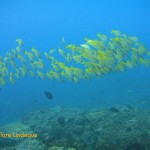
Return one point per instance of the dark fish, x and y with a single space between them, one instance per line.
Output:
35 100
114 109
48 94
61 120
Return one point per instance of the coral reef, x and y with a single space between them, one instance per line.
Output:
119 127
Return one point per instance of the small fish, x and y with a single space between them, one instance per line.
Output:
144 101
49 95
63 40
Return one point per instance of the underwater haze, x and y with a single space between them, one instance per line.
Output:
54 24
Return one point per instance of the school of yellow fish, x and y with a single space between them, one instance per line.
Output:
96 57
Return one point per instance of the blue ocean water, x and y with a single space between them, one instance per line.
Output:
43 23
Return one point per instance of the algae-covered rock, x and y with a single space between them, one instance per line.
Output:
60 148
8 134
31 144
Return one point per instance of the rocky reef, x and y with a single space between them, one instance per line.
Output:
119 127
